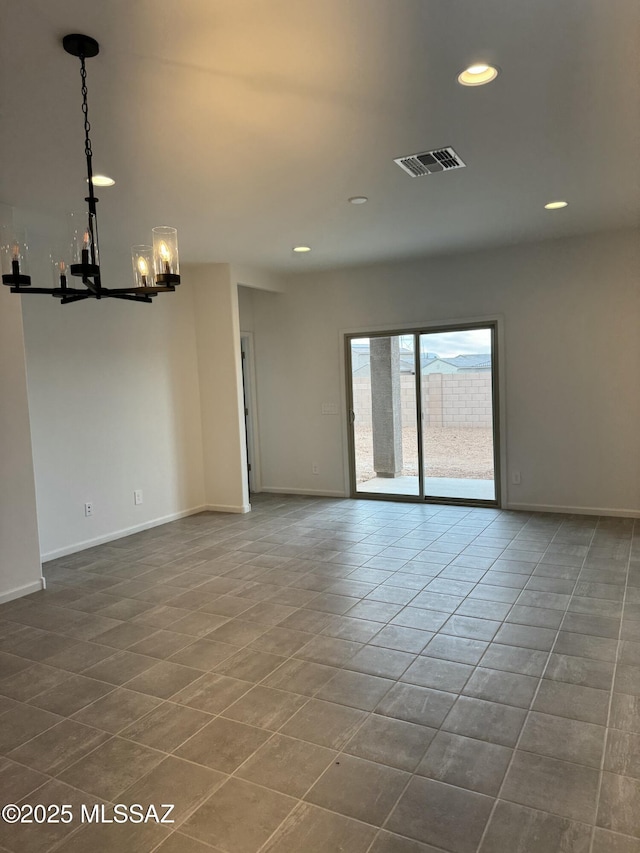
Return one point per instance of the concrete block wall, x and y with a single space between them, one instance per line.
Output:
448 399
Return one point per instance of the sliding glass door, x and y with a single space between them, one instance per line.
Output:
383 415
423 415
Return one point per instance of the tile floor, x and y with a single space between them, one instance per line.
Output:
333 675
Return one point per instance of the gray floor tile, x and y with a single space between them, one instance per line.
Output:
356 689
515 659
440 823
315 830
223 744
388 741
438 674
324 723
564 789
287 765
402 639
618 805
466 763
359 789
69 696
249 665
116 710
415 704
457 649
177 842
484 720
573 701
514 827
40 838
389 842
58 747
625 712
265 707
606 841
17 782
240 816
386 663
212 693
200 618
167 726
534 616
582 645
471 627
22 723
560 737
508 688
526 637
111 768
180 783
623 754
163 680
577 670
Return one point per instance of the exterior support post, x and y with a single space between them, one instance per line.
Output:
386 408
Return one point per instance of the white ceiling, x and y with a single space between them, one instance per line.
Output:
248 123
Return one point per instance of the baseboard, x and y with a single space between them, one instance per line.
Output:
573 510
319 493
239 508
27 589
119 534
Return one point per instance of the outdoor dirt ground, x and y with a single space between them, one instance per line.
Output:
448 452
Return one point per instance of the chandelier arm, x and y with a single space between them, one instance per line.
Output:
129 297
66 299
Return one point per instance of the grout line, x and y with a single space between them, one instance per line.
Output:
611 693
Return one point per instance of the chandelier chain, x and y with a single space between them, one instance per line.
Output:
85 109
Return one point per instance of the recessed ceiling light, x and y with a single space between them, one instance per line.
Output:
301 249
102 181
477 75
555 205
358 199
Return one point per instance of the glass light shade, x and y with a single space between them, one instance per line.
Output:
59 268
14 251
165 251
81 228
142 260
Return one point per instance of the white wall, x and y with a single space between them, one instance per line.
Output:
19 552
114 403
571 317
220 375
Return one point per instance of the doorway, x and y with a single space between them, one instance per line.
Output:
423 415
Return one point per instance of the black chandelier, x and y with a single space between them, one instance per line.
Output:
155 268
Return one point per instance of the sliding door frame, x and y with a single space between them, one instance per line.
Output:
494 326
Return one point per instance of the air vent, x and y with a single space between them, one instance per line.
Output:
440 160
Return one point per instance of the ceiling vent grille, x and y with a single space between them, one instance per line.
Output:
439 160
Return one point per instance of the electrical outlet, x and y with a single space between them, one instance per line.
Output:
515 478
314 468
137 497
88 509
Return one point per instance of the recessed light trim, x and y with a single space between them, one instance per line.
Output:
102 181
300 250
555 205
477 75
358 199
